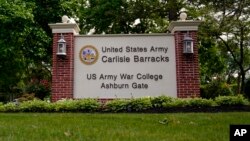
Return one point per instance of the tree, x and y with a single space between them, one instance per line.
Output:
209 57
119 16
228 22
14 17
25 41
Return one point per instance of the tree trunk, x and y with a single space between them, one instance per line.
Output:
243 76
239 84
242 71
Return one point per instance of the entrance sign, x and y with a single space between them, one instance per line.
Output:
124 66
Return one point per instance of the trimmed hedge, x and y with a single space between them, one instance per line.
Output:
35 106
118 105
149 104
231 100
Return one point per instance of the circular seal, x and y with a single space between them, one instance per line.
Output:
88 55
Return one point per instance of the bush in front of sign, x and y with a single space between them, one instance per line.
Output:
78 105
87 105
139 104
188 102
200 102
65 105
9 107
118 105
166 104
175 103
238 100
1 107
35 106
128 105
160 101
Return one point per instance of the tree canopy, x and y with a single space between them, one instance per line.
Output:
25 42
228 24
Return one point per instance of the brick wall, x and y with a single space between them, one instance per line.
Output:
187 67
63 68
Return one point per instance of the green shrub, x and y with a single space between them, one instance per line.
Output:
121 105
161 101
199 102
215 89
234 88
188 102
10 107
81 105
231 100
87 105
1 107
26 97
40 89
65 105
35 106
177 102
139 104
117 105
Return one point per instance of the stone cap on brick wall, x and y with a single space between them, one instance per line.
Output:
65 28
184 25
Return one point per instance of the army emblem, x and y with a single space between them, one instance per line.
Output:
88 55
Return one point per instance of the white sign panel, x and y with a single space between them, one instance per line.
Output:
124 66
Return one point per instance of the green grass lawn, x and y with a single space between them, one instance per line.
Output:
119 127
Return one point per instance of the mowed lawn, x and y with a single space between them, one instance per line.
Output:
119 127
